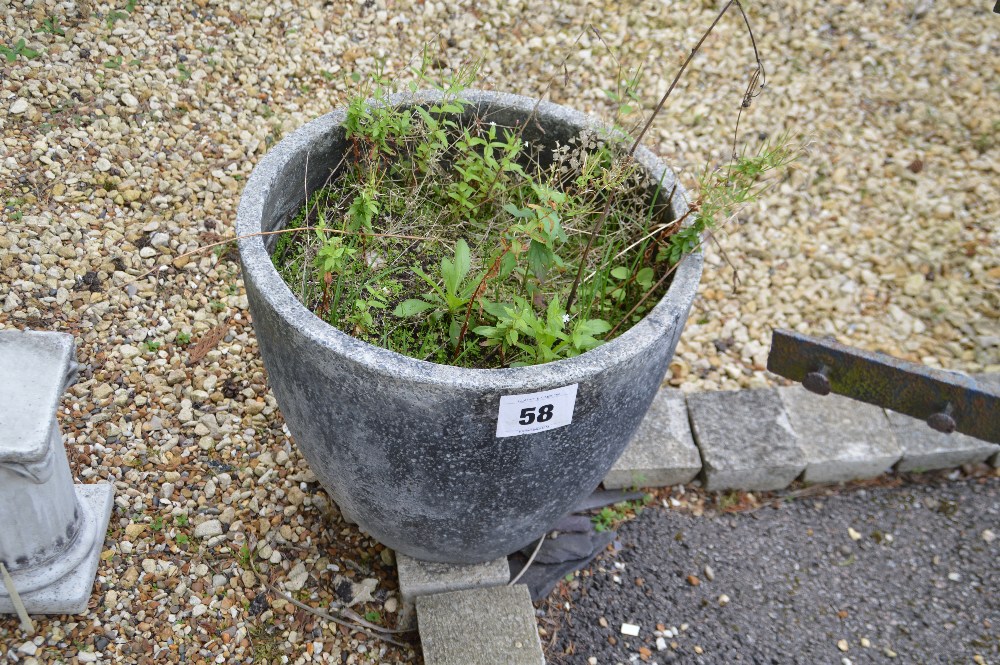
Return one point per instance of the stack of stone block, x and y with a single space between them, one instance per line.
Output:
468 613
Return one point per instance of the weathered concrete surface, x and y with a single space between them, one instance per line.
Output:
842 439
420 578
925 449
662 452
493 626
745 439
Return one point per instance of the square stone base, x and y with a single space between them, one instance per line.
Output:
421 578
491 625
71 593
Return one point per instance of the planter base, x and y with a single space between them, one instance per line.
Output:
70 593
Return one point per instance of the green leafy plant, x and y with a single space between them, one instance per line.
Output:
245 557
183 338
152 346
113 17
50 25
157 524
21 49
610 516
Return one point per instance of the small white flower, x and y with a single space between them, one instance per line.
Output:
565 319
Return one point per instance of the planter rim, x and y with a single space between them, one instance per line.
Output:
257 266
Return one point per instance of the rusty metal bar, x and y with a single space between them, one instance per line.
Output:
948 401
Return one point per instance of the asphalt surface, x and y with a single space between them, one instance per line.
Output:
892 575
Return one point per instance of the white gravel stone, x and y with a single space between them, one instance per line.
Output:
19 106
128 351
208 529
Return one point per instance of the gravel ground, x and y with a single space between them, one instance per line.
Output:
128 130
906 575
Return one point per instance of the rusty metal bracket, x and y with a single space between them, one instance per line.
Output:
948 401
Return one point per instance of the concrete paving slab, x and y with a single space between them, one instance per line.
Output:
662 452
925 449
491 626
842 439
420 578
746 440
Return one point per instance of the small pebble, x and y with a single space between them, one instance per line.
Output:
630 629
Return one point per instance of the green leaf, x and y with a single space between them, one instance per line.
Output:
620 273
496 309
644 277
463 260
520 213
411 307
486 331
539 258
594 326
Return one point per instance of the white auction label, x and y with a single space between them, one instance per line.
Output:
536 412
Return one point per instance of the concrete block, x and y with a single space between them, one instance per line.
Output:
925 449
492 626
420 578
662 452
746 440
842 439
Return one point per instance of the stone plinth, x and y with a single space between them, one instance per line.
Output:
52 531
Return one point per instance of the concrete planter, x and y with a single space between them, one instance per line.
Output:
409 449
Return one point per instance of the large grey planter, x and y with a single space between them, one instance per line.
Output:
409 448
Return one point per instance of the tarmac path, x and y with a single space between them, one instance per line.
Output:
908 574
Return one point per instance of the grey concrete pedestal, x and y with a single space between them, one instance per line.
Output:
51 531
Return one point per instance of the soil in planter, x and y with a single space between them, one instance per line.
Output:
449 238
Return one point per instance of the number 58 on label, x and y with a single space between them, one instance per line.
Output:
531 413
